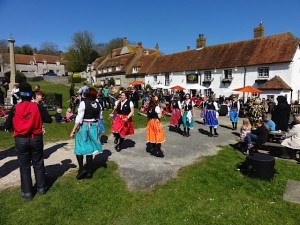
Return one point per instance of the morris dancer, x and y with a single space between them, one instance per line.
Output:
122 125
176 113
212 115
234 109
188 113
87 137
154 132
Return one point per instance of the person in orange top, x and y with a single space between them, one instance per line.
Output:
154 132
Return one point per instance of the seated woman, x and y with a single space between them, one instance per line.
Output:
258 135
292 140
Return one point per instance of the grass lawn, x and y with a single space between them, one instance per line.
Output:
210 191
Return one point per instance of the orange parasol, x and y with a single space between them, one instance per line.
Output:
177 87
248 89
137 82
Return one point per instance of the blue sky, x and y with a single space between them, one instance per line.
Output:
173 24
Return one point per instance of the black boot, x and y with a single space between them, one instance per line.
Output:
157 150
118 146
150 147
210 132
117 137
184 132
176 129
188 132
233 125
81 172
215 132
89 163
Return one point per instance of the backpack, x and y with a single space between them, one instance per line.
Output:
27 119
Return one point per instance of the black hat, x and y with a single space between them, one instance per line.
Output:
25 89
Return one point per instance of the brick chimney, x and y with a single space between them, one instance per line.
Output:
125 41
201 41
157 47
259 31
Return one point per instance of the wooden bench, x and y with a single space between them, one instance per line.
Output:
275 148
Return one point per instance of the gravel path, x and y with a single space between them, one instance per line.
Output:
139 169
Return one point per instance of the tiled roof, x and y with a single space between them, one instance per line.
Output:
123 61
47 58
276 83
26 59
145 62
98 61
264 50
22 59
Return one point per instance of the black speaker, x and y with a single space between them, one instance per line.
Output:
259 166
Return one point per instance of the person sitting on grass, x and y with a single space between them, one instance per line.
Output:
259 135
58 117
69 115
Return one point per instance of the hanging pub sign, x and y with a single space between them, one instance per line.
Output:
192 78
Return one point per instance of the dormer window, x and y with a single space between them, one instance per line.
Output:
45 62
135 69
31 63
146 52
57 63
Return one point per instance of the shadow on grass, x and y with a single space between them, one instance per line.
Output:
53 172
100 160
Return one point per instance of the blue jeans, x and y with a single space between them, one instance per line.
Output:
251 137
30 151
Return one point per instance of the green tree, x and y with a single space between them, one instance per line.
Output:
20 77
81 51
24 49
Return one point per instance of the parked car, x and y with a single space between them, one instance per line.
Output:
49 74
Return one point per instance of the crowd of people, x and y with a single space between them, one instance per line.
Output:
87 106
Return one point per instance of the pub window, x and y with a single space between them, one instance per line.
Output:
228 74
263 72
207 75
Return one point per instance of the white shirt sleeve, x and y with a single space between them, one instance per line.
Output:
157 109
81 109
216 106
131 104
179 105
